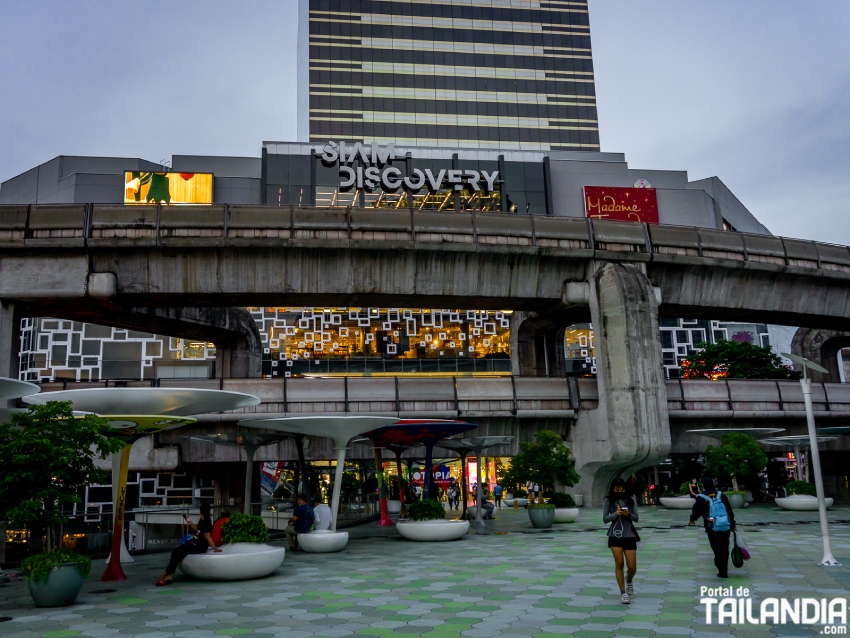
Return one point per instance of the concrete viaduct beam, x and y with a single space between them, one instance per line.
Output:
752 295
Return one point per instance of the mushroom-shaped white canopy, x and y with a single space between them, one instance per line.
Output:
796 439
339 428
164 401
14 389
717 433
474 443
835 429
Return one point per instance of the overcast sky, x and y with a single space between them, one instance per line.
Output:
757 93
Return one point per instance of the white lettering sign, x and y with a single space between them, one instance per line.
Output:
375 173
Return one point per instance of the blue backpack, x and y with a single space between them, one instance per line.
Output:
717 511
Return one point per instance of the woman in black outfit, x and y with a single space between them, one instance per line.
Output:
620 509
197 545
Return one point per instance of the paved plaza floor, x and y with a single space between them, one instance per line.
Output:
510 581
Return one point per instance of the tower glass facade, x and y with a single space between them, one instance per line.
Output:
507 74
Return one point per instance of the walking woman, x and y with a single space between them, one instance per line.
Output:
197 545
620 510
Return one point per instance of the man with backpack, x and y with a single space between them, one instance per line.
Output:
719 521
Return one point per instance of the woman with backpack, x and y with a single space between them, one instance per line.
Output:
619 509
719 521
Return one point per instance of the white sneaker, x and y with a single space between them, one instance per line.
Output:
630 589
625 599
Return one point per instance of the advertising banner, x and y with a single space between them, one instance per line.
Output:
141 187
621 204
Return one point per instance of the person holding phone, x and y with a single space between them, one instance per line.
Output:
198 544
619 509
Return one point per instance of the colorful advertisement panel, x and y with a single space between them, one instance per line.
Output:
142 187
621 204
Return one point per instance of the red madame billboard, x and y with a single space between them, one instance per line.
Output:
621 204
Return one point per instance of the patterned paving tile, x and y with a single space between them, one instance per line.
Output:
511 581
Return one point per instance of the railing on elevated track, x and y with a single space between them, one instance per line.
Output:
525 397
113 225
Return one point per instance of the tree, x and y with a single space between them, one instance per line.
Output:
545 463
735 360
47 456
737 455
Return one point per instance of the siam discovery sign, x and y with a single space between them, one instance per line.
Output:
621 204
375 171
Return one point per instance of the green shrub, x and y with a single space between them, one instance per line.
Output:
542 506
38 567
561 500
520 493
245 528
428 509
801 487
733 492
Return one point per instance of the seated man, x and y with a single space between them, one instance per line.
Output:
487 508
321 515
299 523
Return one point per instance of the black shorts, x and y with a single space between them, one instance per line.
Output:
625 543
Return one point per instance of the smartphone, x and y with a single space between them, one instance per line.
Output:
624 509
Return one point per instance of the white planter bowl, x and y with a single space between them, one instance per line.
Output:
566 514
394 507
237 561
322 541
677 502
802 502
433 531
521 502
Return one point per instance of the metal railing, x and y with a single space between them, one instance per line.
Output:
112 225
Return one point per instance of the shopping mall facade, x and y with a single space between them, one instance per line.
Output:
373 341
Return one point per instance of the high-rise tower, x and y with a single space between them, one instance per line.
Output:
455 73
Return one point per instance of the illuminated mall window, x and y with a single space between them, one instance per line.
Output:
430 341
579 349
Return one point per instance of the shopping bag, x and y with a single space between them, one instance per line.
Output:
737 554
742 543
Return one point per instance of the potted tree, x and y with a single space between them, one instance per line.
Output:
547 463
245 553
47 455
428 523
802 496
737 455
565 507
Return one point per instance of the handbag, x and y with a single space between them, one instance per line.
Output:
737 554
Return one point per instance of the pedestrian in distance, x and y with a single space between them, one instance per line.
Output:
694 492
497 495
619 509
300 522
719 521
198 544
321 514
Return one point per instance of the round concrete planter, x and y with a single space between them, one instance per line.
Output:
801 503
736 501
63 584
323 541
433 531
677 502
521 502
541 517
394 507
566 514
236 561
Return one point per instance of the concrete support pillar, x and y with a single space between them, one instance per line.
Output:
822 347
10 330
630 429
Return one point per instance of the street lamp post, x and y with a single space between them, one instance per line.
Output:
806 383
